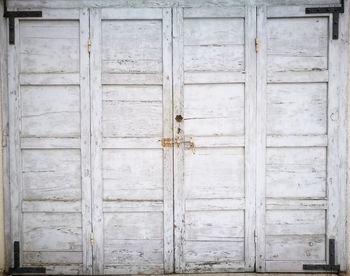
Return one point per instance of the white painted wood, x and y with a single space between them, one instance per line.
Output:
297 140
51 174
295 204
5 140
292 76
250 136
178 94
261 139
218 12
296 172
49 78
266 183
139 111
113 78
25 4
304 180
36 45
50 137
343 68
222 115
14 140
296 109
133 188
54 106
135 13
85 141
41 206
214 204
50 143
168 177
96 141
218 113
336 160
213 77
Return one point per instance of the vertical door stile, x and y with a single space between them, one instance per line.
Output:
14 138
168 151
250 134
96 140
261 139
85 139
337 125
178 131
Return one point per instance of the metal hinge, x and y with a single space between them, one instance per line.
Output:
11 15
89 45
257 45
255 237
17 269
92 240
333 10
4 137
331 266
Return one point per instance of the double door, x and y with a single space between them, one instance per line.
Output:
160 140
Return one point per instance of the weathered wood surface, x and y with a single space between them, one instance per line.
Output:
50 141
300 161
22 4
133 217
265 184
214 92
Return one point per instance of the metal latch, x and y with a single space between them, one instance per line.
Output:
170 142
167 142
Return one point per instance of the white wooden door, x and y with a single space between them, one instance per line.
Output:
131 79
255 177
214 107
301 139
49 134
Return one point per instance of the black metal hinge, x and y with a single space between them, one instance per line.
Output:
17 269
11 15
331 267
335 11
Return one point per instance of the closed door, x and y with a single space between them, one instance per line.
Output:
131 98
214 94
161 140
301 146
49 134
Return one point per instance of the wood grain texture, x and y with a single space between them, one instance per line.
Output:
38 52
161 3
93 191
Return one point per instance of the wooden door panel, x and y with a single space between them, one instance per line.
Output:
214 92
132 172
298 161
49 137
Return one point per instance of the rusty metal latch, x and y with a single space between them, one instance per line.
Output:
170 142
166 142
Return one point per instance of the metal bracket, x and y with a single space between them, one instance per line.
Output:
11 15
335 11
331 267
17 269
